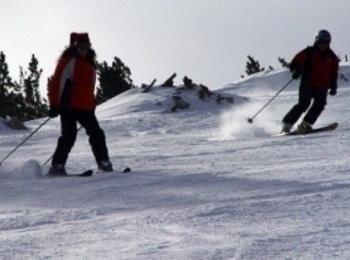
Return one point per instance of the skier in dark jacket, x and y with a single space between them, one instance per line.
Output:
71 95
318 67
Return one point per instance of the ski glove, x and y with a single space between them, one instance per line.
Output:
53 112
333 92
295 74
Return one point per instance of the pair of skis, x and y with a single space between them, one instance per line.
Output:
89 173
328 127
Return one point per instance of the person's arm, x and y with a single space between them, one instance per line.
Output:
297 64
54 87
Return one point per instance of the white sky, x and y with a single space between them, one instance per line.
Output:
207 40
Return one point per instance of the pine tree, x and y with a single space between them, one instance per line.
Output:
4 78
34 105
113 79
283 62
253 66
7 89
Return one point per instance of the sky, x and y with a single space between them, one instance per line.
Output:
207 40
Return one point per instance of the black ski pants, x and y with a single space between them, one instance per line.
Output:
88 120
306 95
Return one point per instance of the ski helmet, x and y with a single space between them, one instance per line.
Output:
323 36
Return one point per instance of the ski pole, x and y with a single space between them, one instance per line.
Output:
250 120
29 136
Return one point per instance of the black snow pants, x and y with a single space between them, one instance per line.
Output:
88 120
306 95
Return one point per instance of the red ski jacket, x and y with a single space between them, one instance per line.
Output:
73 84
319 69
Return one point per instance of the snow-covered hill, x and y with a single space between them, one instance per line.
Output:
205 184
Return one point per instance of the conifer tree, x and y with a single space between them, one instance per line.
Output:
283 62
7 89
34 105
4 77
113 79
253 66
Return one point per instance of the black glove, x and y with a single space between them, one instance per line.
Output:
333 92
295 74
53 112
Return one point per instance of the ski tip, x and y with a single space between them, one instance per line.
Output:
127 169
334 125
87 173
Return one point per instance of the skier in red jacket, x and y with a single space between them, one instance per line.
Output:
318 67
71 95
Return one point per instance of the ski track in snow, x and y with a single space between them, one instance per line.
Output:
204 185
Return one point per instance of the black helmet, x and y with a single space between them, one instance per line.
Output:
323 36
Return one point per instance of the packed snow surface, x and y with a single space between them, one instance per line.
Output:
205 184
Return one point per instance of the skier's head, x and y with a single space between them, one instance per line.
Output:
81 41
80 46
323 39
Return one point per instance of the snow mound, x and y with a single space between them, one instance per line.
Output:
262 83
163 99
27 170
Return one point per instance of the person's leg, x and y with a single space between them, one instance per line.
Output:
297 110
319 103
66 140
96 135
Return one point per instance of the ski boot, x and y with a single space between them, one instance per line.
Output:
304 127
286 127
105 166
57 170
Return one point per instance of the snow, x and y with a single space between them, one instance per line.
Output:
3 126
205 184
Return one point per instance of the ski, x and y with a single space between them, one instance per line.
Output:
86 173
125 170
328 127
89 173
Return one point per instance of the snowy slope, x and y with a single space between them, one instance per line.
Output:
205 183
